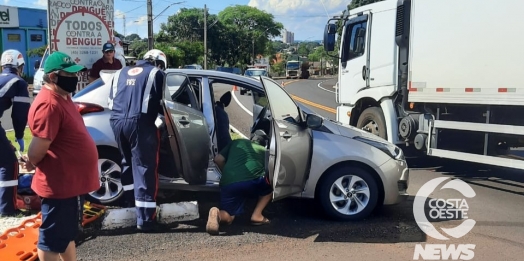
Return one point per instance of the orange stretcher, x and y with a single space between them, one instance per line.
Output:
19 243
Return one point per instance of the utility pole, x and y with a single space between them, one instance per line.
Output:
253 46
149 24
205 37
124 16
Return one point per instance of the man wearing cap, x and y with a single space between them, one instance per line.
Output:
64 156
107 62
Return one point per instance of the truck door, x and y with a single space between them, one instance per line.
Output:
354 61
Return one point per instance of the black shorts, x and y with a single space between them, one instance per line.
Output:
234 195
61 223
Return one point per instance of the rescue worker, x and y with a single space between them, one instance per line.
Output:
13 91
135 99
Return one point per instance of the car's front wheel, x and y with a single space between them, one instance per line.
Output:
110 171
348 193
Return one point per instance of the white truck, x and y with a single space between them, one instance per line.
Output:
444 78
293 69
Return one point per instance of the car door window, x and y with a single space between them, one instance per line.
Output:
178 89
284 108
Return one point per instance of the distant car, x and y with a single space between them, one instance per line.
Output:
253 72
193 66
348 171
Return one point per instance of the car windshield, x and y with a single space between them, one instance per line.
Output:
292 66
256 73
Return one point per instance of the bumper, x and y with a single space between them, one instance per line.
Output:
396 181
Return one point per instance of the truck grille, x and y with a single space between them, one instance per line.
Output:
400 21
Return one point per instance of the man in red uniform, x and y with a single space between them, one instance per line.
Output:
65 158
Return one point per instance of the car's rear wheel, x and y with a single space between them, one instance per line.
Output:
110 171
348 193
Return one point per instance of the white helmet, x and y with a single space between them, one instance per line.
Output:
13 58
156 55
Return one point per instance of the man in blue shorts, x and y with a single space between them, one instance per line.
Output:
242 163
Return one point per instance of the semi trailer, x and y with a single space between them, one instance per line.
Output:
441 78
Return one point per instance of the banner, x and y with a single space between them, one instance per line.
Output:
79 28
8 17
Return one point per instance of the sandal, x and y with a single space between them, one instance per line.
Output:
213 221
265 221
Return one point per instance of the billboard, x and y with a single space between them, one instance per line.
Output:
79 28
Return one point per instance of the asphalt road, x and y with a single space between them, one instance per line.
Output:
300 232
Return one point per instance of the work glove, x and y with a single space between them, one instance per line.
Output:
160 121
21 144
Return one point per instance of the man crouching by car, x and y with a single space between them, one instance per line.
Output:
242 163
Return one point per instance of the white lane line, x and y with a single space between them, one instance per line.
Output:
240 104
235 130
243 108
319 86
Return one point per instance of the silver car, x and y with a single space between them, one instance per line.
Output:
348 171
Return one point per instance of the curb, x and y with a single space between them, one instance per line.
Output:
166 214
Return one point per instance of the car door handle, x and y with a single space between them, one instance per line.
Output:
184 121
287 135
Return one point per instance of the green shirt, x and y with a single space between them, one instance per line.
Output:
245 160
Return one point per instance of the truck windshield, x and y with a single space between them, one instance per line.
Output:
292 66
256 73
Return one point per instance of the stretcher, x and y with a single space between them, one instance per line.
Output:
19 243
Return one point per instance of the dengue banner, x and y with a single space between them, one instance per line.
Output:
79 28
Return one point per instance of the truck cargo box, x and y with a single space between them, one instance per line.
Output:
467 51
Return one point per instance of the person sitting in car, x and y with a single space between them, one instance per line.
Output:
223 135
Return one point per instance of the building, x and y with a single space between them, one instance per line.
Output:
23 29
288 37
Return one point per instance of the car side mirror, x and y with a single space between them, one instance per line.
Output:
37 65
314 121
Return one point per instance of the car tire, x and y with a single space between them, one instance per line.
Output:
364 182
373 114
107 157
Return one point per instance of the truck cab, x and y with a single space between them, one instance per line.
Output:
434 85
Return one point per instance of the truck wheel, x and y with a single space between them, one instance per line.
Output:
372 120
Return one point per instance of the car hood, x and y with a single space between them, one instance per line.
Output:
342 129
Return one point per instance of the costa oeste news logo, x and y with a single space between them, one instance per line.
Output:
443 209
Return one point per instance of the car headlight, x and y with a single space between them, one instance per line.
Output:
388 148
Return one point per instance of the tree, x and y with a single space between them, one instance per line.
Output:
251 27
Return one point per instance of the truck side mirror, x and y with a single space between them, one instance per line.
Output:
37 65
329 37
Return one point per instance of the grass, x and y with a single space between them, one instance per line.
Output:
27 139
235 136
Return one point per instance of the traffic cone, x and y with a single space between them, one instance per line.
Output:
235 88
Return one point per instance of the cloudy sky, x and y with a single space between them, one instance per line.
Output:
306 18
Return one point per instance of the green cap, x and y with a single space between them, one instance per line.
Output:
59 61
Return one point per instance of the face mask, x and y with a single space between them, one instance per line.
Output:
67 84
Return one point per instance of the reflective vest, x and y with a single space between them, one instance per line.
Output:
136 92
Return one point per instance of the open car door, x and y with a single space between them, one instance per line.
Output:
290 145
187 129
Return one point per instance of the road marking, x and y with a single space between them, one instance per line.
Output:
316 105
310 103
240 104
324 88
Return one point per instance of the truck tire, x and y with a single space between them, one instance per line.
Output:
372 120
